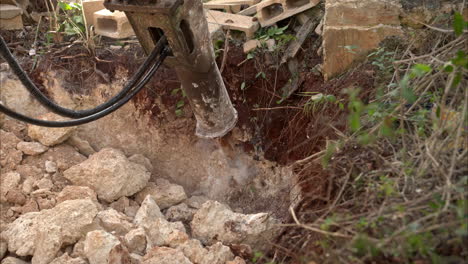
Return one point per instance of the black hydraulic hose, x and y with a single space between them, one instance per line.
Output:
98 115
31 87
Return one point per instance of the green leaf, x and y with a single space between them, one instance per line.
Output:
180 104
461 60
179 112
250 56
458 24
65 6
175 91
419 70
243 86
354 121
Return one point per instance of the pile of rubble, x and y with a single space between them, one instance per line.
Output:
63 202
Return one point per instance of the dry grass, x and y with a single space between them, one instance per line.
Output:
398 191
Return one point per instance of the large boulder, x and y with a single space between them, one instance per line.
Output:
50 136
216 222
110 174
164 193
42 234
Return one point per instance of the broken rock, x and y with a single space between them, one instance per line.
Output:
110 174
135 240
158 255
164 233
216 222
180 212
149 211
113 221
81 145
66 259
72 192
31 148
50 136
12 260
101 247
42 234
9 181
163 192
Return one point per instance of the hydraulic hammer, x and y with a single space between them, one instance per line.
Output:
184 25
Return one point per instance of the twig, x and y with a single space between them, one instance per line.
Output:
226 50
317 230
277 108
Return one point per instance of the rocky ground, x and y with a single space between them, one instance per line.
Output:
63 202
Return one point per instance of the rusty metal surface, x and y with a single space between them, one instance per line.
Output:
185 27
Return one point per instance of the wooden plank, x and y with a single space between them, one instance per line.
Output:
301 36
233 22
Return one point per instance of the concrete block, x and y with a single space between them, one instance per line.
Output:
9 11
361 13
90 7
232 21
112 25
337 59
271 11
10 17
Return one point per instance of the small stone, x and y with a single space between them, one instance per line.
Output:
142 160
149 211
120 204
216 222
31 148
28 171
101 247
13 260
180 212
163 192
78 249
110 174
237 260
163 233
8 181
44 183
3 248
271 45
16 197
193 250
135 240
28 185
81 145
50 136
131 211
218 254
196 201
50 166
30 206
72 192
66 259
159 255
45 203
251 45
135 258
114 222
